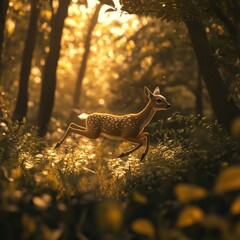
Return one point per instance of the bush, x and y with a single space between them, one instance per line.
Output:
186 188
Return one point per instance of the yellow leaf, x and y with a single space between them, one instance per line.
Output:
130 45
10 26
42 201
228 180
187 192
235 208
47 14
109 216
16 173
140 198
143 226
189 216
166 44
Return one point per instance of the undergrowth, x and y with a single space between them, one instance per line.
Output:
186 188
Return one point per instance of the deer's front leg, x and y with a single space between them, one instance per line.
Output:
139 140
133 140
146 136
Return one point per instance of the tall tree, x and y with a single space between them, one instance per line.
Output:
83 67
3 12
224 108
49 74
22 100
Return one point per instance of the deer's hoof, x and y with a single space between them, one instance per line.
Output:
57 145
143 156
121 155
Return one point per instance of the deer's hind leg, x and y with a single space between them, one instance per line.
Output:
74 125
74 128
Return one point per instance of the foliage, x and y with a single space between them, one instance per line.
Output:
221 21
187 188
156 61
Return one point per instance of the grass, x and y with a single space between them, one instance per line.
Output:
186 188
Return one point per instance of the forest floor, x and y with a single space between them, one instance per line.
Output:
188 186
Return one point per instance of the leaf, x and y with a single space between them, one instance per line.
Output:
16 173
187 192
143 226
228 180
189 216
109 216
46 14
140 198
42 202
235 208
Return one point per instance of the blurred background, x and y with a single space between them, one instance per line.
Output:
106 58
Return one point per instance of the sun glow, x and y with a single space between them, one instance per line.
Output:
113 15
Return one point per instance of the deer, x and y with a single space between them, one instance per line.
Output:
129 127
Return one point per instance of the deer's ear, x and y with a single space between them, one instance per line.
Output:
147 92
156 91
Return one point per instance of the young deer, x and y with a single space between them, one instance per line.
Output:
127 127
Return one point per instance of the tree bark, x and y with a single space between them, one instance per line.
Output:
199 95
3 12
49 75
83 67
20 111
225 109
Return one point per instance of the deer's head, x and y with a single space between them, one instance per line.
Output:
157 101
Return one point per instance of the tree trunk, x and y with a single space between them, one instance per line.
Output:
83 67
199 96
3 12
20 111
49 75
225 109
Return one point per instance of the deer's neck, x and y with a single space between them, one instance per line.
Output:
146 115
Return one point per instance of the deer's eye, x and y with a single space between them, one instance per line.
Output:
158 100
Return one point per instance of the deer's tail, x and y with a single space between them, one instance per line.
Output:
83 116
